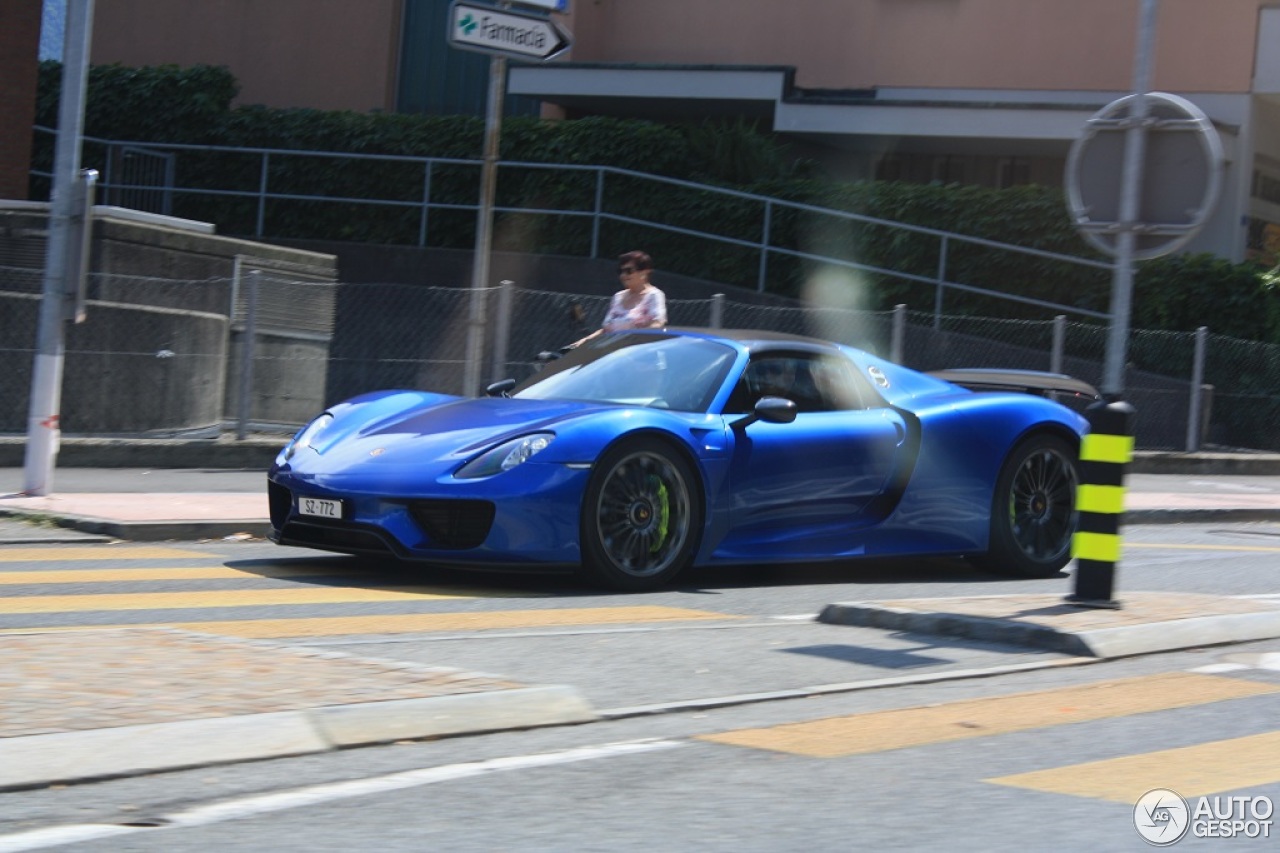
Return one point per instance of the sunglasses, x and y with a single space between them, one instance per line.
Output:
626 270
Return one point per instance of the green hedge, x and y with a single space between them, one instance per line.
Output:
194 106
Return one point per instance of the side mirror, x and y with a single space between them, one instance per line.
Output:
501 388
773 410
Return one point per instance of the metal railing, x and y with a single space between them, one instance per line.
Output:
270 185
282 348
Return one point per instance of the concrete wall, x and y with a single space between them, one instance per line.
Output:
130 369
161 346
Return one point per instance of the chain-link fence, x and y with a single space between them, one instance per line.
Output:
161 356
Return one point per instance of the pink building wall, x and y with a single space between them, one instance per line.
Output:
326 54
1202 45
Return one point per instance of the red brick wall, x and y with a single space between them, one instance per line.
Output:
19 54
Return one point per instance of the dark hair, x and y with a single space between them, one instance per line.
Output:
639 260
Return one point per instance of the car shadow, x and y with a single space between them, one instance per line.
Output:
863 571
375 573
336 570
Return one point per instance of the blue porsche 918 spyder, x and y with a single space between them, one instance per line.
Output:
642 453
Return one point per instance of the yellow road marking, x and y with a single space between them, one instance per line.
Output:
100 552
885 730
1257 548
428 622
57 576
215 598
1192 771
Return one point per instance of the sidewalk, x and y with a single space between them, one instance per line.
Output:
86 704
91 704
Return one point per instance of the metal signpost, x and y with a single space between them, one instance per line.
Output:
66 256
1142 179
502 33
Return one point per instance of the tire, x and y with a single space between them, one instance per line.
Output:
1033 515
641 516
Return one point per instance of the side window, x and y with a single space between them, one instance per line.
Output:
840 385
814 384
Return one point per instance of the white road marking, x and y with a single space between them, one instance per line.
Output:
1214 668
316 794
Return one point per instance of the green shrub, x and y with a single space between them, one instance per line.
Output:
193 106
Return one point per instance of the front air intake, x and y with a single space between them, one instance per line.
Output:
453 524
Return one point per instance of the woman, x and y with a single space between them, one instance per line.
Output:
639 305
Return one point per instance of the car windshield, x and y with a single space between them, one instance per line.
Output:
663 371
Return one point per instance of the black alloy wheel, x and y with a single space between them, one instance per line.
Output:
1033 513
641 516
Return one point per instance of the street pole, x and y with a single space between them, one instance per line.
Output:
1107 449
1130 201
476 319
43 427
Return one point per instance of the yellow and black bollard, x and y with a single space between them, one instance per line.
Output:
1105 453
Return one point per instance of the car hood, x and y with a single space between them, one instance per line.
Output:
436 435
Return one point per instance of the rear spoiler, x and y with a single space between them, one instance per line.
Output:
1034 382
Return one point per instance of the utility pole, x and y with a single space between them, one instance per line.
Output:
1135 151
476 317
43 427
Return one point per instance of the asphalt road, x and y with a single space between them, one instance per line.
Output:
994 762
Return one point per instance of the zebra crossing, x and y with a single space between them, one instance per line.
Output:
94 587
68 588
1202 769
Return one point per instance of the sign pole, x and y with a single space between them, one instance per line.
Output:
476 319
502 33
43 428
1130 199
1107 449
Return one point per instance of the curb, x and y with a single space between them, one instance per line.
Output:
132 531
255 454
1199 516
1205 464
38 760
1148 638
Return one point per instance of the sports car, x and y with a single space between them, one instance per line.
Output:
642 453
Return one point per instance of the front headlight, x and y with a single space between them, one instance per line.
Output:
308 434
505 456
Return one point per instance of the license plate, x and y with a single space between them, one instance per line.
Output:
320 506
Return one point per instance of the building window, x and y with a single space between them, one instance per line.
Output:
890 168
1266 187
947 169
1013 172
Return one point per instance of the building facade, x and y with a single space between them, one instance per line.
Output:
19 52
989 92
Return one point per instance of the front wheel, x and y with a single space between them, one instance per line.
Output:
1033 515
641 516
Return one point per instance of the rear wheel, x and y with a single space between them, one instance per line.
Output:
1033 515
641 516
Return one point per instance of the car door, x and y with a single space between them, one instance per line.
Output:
797 486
